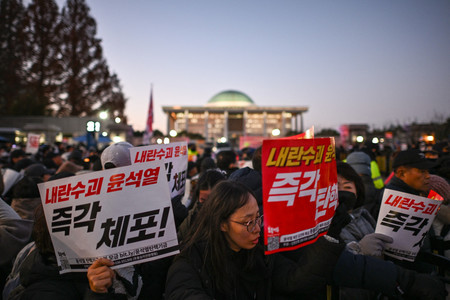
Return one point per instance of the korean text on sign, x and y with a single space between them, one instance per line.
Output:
117 213
175 158
407 219
299 191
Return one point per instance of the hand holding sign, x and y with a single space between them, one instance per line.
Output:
373 244
100 276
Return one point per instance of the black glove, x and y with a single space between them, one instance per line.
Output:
413 285
340 219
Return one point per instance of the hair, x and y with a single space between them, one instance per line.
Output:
207 181
225 159
256 159
41 235
346 171
225 198
206 164
27 187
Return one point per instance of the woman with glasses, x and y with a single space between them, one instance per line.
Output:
222 258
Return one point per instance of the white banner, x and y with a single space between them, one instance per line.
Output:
32 143
406 218
175 158
123 214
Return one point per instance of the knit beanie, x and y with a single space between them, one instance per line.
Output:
440 186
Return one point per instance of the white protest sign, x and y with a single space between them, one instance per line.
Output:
175 158
32 143
123 214
406 218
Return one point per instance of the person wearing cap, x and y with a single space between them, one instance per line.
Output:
116 155
411 176
39 170
411 173
152 274
53 160
14 157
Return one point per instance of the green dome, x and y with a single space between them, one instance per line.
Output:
230 98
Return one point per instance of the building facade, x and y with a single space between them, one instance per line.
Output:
232 114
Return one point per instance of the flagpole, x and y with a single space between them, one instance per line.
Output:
148 134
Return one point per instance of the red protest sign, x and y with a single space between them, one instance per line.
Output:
299 191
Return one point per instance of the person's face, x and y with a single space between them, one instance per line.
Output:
58 160
415 178
237 234
346 185
203 195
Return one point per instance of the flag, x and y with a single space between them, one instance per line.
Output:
149 126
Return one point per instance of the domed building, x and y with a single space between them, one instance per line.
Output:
233 114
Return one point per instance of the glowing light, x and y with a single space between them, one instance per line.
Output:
159 141
117 120
117 139
359 139
375 140
430 138
173 133
166 140
276 132
103 115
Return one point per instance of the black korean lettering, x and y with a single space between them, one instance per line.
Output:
61 220
416 225
96 208
143 221
168 166
394 220
115 229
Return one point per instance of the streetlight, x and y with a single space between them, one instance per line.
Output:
103 115
173 133
276 132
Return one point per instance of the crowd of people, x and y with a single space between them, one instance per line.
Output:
220 231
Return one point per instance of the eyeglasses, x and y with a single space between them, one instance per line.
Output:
251 225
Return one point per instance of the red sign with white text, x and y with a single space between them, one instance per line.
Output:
299 191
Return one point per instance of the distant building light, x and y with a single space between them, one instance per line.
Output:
173 133
222 140
117 139
430 138
92 126
103 115
375 140
360 139
104 133
117 120
276 132
381 140
166 140
159 141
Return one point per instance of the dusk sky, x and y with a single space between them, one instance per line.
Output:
374 62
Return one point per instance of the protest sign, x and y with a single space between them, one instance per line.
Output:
32 143
299 191
175 158
406 218
123 214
